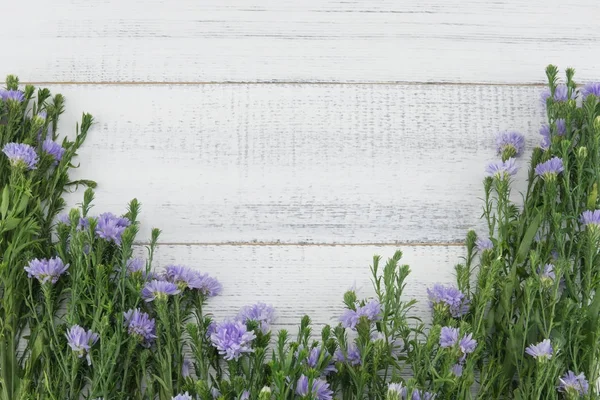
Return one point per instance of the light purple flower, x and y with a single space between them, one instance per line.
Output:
561 94
561 129
54 149
111 227
14 95
182 396
180 275
232 339
548 274
550 169
352 355
467 344
20 154
590 218
502 169
140 324
261 313
81 341
448 337
371 311
136 265
215 392
245 395
511 143
590 89
319 391
207 285
396 390
186 367
46 270
418 395
541 351
448 297
574 384
313 359
484 244
457 370
159 290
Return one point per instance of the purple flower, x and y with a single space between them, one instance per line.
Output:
14 95
541 351
215 392
550 169
396 390
313 359
467 344
457 370
159 290
450 298
561 94
207 285
574 384
245 395
21 155
502 169
81 341
590 218
182 396
141 325
54 149
46 270
261 313
418 395
510 143
180 275
186 367
232 339
111 227
484 244
548 275
371 311
353 355
561 129
591 89
320 389
448 337
136 265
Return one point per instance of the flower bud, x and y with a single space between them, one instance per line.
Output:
582 153
265 393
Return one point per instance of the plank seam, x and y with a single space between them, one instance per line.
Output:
233 83
305 244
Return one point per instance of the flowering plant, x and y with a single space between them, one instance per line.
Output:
82 316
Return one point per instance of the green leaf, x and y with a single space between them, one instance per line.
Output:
5 201
10 223
528 239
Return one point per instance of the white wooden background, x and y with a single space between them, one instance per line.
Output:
279 144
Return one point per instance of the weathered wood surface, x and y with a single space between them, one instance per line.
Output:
504 41
298 163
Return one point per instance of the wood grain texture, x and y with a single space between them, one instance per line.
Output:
308 41
298 163
307 279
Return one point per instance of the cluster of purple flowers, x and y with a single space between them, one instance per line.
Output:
111 227
140 324
21 155
448 298
261 313
81 341
561 129
232 339
46 270
449 338
561 94
319 389
550 169
185 277
371 311
542 351
12 95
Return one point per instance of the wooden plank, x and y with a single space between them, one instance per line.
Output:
299 280
298 163
308 41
